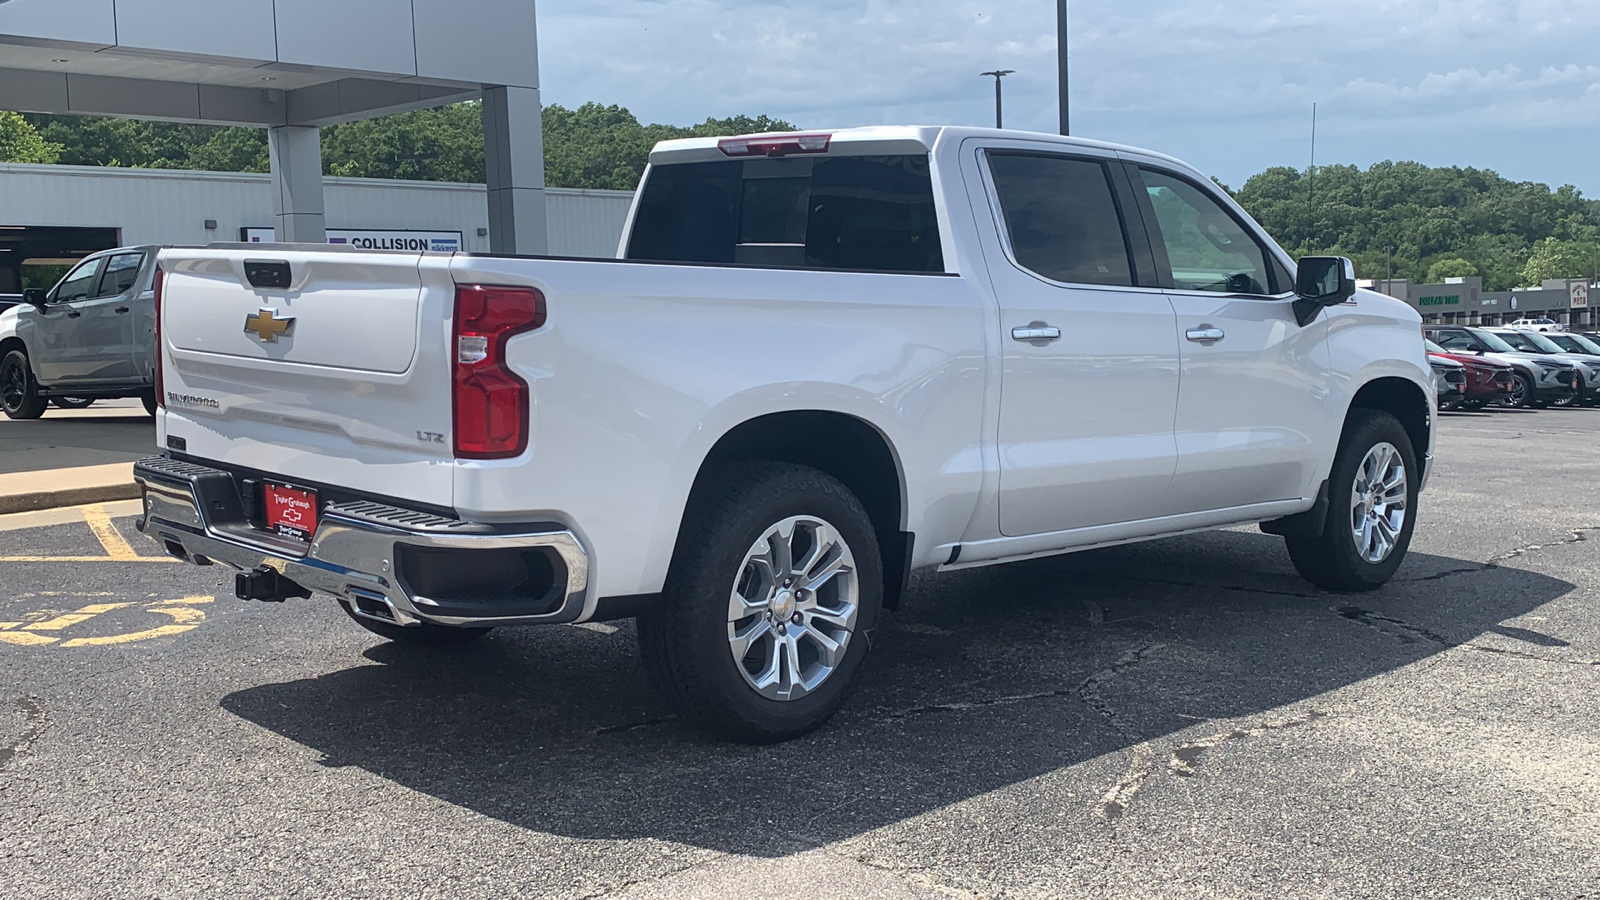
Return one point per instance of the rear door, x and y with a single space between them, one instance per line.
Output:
1090 360
1251 412
106 330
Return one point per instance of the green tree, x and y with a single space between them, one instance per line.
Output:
1452 267
20 142
442 144
1555 258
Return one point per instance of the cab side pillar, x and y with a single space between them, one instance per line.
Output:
297 206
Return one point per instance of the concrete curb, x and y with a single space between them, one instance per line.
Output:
31 491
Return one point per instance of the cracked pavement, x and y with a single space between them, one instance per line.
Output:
1183 718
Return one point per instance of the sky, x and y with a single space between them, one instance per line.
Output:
1228 85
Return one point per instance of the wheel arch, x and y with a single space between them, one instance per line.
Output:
1405 400
11 343
847 447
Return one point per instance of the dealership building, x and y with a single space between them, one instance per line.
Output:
289 67
1463 301
50 215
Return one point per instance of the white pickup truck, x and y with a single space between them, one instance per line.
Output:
821 361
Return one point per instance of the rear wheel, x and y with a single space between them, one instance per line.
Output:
425 635
1372 494
19 394
72 402
769 605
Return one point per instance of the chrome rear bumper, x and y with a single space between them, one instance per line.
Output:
371 556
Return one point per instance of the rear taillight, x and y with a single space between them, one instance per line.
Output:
491 402
161 395
775 144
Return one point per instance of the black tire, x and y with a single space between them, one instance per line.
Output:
1333 561
1521 392
1452 405
19 393
1472 405
72 402
425 635
148 398
685 641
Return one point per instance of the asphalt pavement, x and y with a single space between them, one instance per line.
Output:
110 431
1183 718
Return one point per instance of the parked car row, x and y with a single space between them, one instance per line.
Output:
1516 367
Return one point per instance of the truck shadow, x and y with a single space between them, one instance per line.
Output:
987 679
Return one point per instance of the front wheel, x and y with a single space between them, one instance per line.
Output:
19 394
72 402
1372 501
772 596
1521 392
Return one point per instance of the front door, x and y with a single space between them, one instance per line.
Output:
1090 362
107 328
58 355
1253 409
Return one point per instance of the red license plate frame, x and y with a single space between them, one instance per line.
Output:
291 512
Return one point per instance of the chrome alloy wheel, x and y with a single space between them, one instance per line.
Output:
793 610
1378 503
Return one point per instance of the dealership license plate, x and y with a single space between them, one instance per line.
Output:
291 512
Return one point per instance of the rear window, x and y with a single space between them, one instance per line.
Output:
852 213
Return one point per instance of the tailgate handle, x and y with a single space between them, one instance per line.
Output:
268 274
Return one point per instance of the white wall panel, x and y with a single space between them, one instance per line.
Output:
242 29
368 35
166 207
487 41
75 21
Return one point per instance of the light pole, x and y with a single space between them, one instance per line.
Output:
999 101
1061 43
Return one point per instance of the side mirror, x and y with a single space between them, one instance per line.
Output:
1322 281
34 296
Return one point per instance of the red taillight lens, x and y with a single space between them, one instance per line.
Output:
161 395
775 144
491 402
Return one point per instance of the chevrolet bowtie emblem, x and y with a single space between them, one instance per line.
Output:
267 326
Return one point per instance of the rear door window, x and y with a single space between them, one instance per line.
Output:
850 213
121 272
1062 218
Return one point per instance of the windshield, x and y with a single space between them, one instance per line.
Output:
1544 344
1574 343
1493 342
1519 340
1434 348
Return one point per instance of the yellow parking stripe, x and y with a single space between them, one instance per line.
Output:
187 620
24 639
100 523
79 559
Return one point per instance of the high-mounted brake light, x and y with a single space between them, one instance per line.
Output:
155 287
775 145
491 402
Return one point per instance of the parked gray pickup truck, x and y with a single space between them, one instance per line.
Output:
88 338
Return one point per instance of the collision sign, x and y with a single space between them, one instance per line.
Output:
367 239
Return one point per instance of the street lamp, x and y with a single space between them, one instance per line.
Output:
999 101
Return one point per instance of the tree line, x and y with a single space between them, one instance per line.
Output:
1395 219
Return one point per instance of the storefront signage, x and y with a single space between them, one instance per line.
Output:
1445 300
437 241
1580 296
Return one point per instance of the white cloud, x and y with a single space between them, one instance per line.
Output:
1227 83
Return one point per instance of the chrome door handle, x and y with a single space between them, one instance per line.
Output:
1206 334
1038 331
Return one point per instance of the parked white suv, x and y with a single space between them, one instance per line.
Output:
822 361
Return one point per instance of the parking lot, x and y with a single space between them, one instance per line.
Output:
1179 718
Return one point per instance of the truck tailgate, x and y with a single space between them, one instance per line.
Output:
340 377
